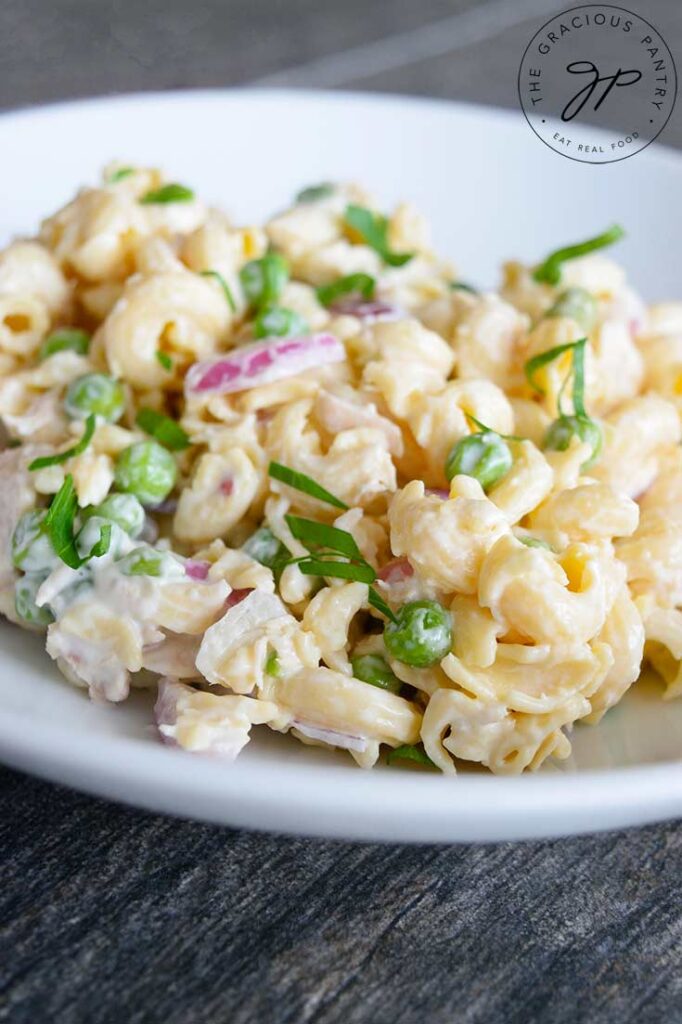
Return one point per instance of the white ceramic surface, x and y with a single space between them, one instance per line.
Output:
493 191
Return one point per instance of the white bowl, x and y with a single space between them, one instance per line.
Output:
493 192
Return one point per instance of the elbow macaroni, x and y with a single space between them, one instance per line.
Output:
559 578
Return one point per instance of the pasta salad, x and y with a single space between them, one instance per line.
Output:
302 476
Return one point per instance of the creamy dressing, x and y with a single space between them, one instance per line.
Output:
88 664
100 588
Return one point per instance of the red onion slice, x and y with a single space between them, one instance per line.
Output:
343 740
369 310
396 571
236 596
165 708
197 570
262 363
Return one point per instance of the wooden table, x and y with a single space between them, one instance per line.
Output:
113 915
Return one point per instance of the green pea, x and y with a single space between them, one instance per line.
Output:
263 280
66 339
278 322
265 548
373 669
486 456
147 561
579 305
562 431
147 470
90 533
123 509
421 634
32 549
25 590
95 393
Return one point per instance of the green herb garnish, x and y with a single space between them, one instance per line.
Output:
58 524
549 271
339 570
172 193
227 291
165 360
561 432
313 193
327 544
486 429
120 174
272 666
314 535
462 286
65 339
352 284
166 431
544 358
373 228
70 453
535 542
377 601
304 484
101 546
410 752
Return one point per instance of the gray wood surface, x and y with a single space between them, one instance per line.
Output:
112 915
